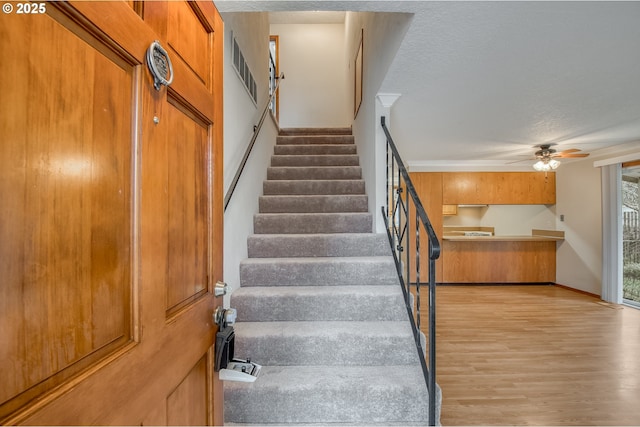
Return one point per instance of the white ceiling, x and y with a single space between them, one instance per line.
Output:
315 17
486 81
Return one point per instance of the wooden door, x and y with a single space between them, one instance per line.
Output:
110 214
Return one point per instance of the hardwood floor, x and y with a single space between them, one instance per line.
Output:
536 355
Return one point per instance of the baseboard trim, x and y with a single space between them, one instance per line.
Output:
580 291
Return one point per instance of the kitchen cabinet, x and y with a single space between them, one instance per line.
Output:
429 189
499 188
499 260
449 209
495 261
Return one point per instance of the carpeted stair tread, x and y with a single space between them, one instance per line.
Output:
315 160
303 343
327 271
314 149
313 186
319 303
314 172
329 394
300 223
315 131
313 203
317 245
314 139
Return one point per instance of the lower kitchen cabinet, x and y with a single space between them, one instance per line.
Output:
499 261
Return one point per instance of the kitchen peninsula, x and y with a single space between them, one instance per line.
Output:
471 258
517 254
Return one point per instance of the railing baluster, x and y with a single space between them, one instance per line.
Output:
397 233
418 272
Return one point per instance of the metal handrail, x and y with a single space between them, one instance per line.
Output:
400 244
256 131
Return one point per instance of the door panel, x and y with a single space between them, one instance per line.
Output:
65 255
187 160
187 404
190 37
111 215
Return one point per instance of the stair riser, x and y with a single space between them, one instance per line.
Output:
325 344
333 272
314 131
315 149
314 139
310 204
317 172
339 245
308 187
325 400
312 223
320 306
313 160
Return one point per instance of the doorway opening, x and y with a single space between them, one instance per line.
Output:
631 233
274 75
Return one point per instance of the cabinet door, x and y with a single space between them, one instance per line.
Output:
498 188
428 185
449 209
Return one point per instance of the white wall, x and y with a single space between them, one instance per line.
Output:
579 199
240 112
240 115
382 35
314 91
579 257
507 220
238 218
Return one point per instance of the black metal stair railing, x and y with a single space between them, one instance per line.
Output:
403 204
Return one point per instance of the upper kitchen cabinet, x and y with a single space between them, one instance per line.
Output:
499 188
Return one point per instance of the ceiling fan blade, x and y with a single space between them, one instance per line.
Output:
570 150
566 156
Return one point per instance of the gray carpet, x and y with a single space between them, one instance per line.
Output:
320 306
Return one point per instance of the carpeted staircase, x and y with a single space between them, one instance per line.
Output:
320 306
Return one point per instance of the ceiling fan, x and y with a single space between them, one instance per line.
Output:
546 157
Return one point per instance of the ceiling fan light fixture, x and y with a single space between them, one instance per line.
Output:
546 164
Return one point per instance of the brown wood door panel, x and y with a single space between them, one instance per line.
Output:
129 385
190 37
111 223
66 250
188 151
187 405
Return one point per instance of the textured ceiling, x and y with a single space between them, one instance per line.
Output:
315 17
486 81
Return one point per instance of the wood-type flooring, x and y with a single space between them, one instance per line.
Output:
536 355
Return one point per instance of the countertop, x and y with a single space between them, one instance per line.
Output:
459 238
456 234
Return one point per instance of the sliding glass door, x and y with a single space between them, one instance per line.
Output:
631 232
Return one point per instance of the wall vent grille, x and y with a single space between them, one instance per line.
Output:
243 71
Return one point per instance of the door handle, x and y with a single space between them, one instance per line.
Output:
220 289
